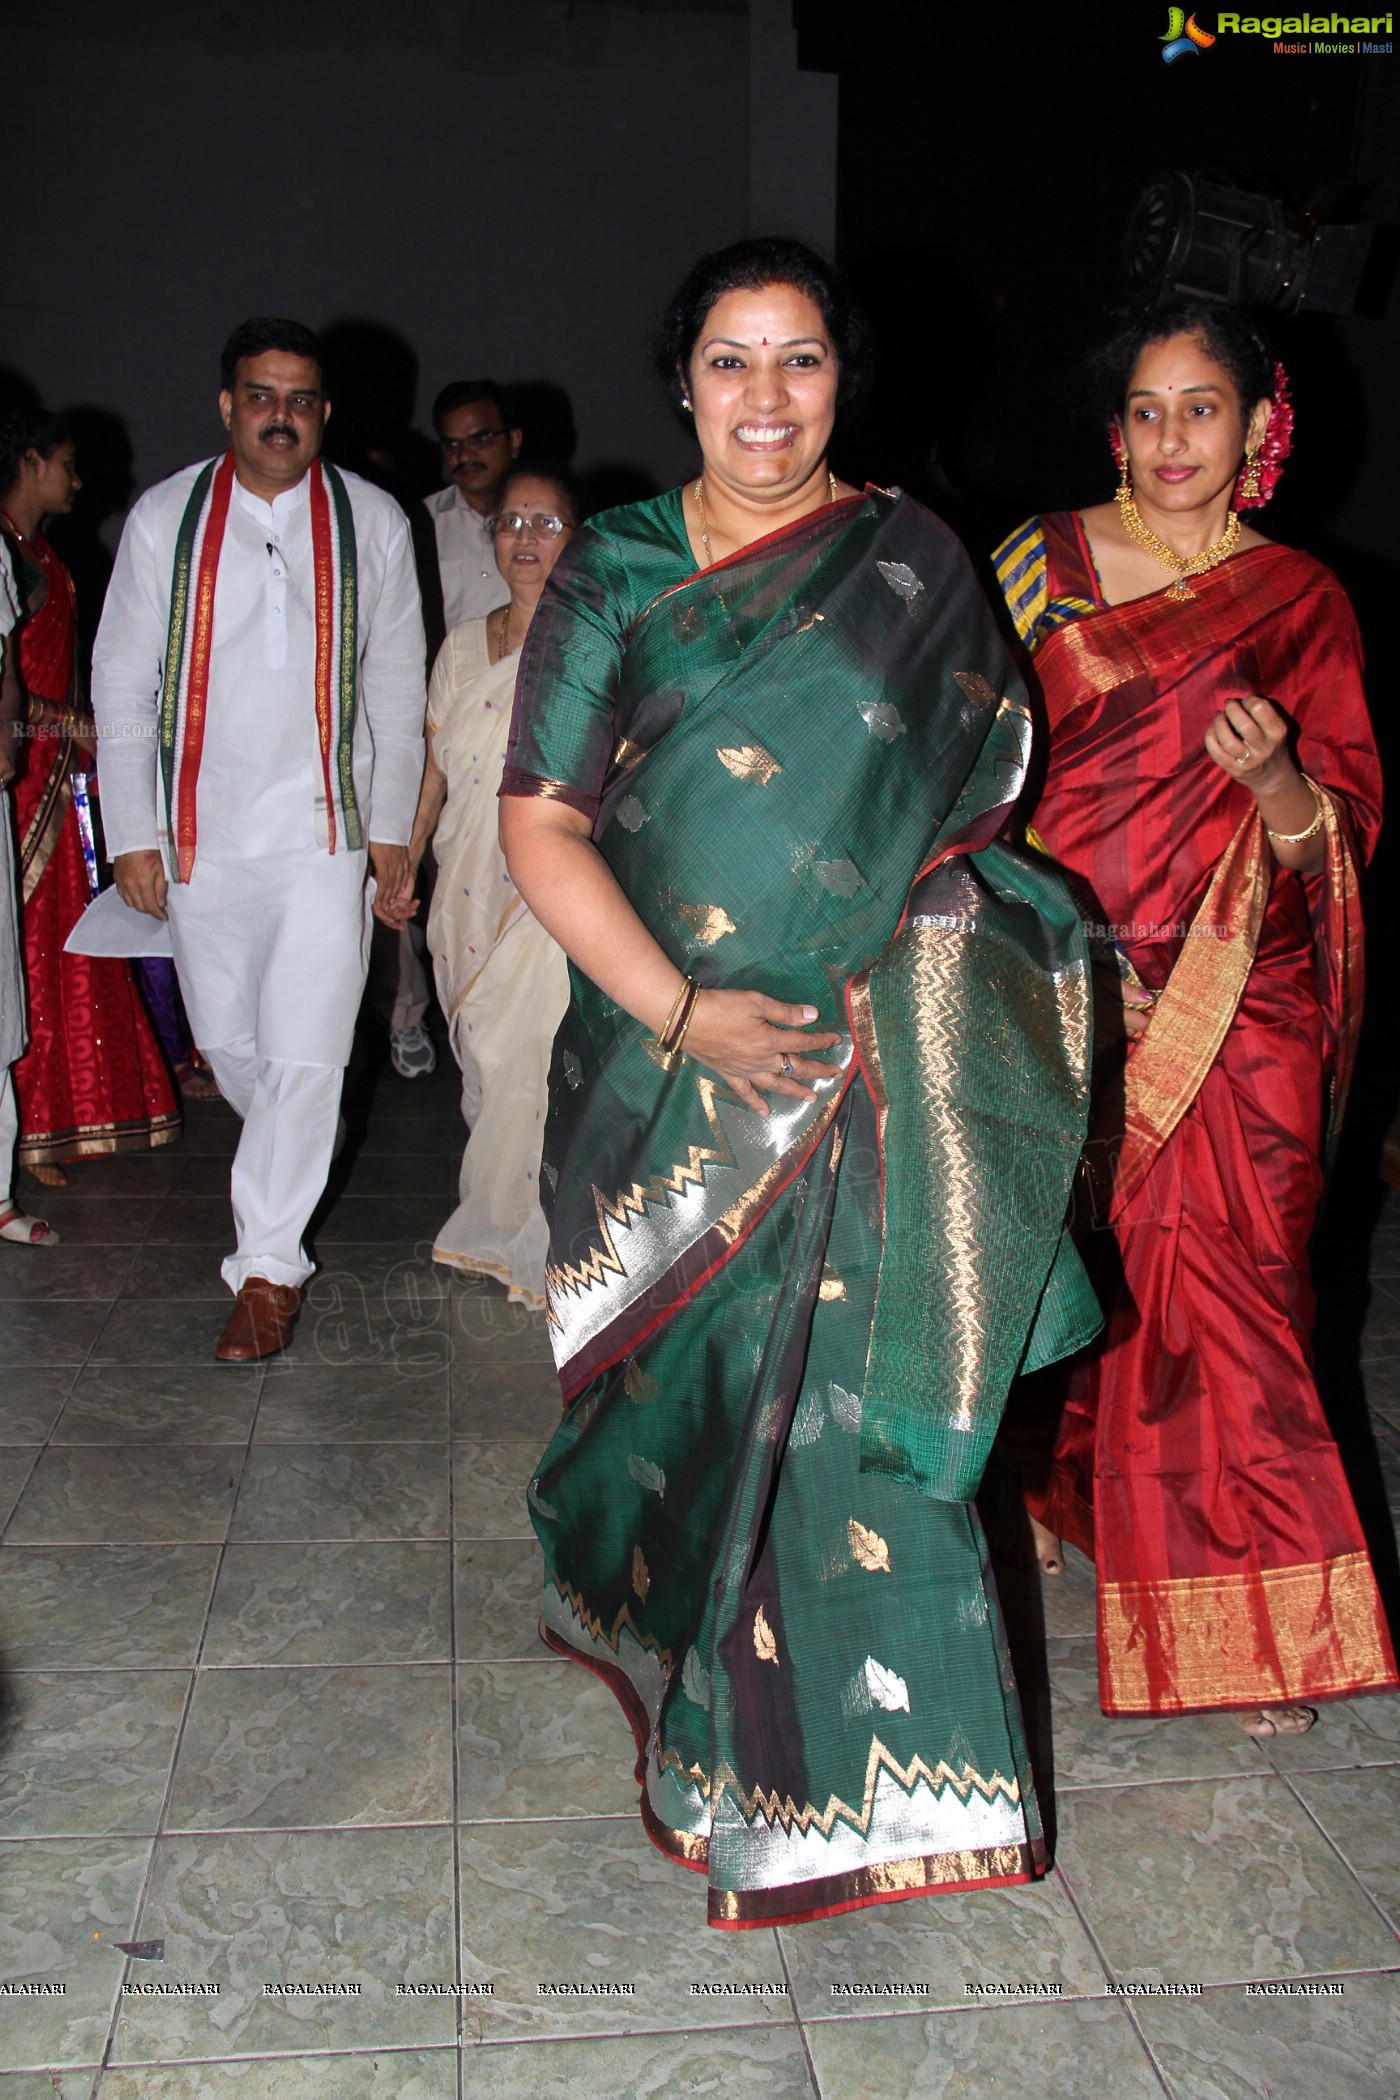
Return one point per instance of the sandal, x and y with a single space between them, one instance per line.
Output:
195 1083
1265 1721
23 1230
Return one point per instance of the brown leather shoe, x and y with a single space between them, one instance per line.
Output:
261 1321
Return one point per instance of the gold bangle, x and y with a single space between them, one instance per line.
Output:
664 1049
1300 838
670 1019
677 1043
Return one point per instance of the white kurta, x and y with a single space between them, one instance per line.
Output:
270 933
472 585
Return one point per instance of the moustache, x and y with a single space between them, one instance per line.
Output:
271 430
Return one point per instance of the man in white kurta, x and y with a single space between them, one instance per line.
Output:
270 930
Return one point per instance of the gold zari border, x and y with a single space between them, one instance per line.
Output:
894 1877
1276 1634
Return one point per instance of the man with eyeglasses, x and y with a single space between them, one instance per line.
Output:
479 439
475 429
258 686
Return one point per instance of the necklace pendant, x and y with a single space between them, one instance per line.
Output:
1181 591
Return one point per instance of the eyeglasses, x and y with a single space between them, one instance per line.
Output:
542 523
474 441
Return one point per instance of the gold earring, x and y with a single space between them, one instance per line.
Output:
1250 490
1125 472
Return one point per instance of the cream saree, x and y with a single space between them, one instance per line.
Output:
502 982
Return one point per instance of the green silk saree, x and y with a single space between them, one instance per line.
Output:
785 1341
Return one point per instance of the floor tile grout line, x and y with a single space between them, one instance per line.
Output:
178 1743
1111 1977
796 2011
503 2041
1392 1924
67 1398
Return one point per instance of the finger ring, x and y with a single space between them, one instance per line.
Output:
786 1067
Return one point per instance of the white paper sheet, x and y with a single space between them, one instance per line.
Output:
109 927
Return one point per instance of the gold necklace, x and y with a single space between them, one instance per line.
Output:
699 494
1185 564
505 632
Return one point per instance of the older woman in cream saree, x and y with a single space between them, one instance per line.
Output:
502 982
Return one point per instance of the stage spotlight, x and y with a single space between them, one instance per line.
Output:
1193 237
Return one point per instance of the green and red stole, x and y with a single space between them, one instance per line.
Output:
189 647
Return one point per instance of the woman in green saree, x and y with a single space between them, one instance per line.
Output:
815 1110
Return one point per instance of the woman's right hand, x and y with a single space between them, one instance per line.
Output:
745 1037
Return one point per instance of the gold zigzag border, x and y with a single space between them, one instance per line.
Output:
786 1812
632 1203
810 1818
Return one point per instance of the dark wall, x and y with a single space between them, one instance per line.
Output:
990 159
505 186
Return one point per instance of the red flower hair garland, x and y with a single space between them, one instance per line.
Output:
1277 444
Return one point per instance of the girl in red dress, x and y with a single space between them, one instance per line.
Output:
92 1081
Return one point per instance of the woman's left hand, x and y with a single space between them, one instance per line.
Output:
1249 740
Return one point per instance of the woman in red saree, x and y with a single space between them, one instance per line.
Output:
1212 792
92 1080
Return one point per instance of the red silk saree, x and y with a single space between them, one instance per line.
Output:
1191 1457
92 1080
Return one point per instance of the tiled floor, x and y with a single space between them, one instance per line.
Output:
276 1700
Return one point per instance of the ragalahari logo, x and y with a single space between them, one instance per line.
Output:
1183 35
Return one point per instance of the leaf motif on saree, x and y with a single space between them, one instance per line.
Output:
870 1550
832 1285
885 1688
748 762
708 922
631 815
845 1407
636 1383
538 1504
641 1574
901 579
842 877
809 1421
647 1475
765 1647
883 719
976 687
695 1681
573 1070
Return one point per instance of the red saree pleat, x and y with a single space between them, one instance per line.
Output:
1191 1457
92 1080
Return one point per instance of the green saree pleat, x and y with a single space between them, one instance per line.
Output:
815 747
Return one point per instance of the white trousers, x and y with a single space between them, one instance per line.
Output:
9 1131
272 955
289 1116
